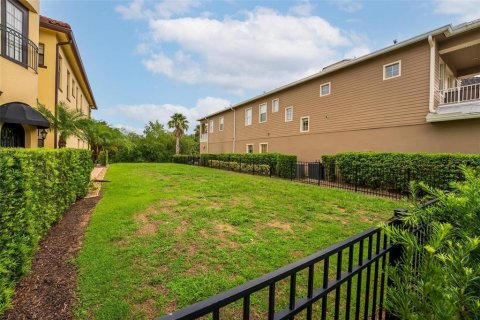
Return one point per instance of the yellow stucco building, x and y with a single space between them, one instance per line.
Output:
39 64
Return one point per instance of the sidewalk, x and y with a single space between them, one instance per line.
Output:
98 173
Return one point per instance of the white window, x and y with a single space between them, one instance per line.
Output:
325 89
275 105
249 148
210 126
248 116
262 113
220 124
263 147
304 124
392 70
288 114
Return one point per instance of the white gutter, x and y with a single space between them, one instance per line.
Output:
234 129
431 101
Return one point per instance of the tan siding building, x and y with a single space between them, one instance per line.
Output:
396 99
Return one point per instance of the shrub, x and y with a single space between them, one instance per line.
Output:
437 276
182 158
36 186
286 166
393 171
260 169
281 165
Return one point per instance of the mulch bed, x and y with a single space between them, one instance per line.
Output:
48 290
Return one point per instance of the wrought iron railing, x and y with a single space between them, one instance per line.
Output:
18 48
460 94
203 137
347 280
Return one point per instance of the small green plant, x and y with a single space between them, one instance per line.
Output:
439 277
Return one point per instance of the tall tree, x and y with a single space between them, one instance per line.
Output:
179 123
66 122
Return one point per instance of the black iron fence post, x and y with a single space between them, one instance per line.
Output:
270 167
356 178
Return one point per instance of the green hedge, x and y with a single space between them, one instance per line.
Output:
282 165
394 170
36 187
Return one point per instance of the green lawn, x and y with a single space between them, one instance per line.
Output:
166 235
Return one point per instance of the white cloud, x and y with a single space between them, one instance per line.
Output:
464 10
348 5
303 9
143 113
137 9
260 50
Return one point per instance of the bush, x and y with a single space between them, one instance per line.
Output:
393 171
281 165
437 275
260 169
36 186
286 166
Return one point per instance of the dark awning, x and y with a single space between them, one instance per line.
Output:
17 112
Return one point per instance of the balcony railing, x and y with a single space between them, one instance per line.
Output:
18 48
460 94
203 137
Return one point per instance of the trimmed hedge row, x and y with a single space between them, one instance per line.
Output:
283 166
394 170
36 187
261 169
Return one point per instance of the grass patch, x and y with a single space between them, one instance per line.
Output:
167 235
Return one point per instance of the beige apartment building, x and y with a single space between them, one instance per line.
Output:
419 95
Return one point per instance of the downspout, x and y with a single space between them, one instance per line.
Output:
208 131
57 85
431 101
234 129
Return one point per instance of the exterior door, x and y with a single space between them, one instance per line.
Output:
12 135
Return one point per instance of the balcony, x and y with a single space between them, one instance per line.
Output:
457 103
203 137
18 48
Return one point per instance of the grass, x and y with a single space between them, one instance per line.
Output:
166 235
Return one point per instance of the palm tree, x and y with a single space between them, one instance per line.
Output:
180 124
102 137
66 122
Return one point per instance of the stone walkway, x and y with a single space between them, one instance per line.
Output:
98 173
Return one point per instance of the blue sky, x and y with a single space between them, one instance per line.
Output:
148 59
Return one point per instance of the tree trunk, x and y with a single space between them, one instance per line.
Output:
62 142
177 146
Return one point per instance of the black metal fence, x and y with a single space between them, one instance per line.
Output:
345 281
386 182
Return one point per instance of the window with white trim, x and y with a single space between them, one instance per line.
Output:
248 116
210 126
262 113
325 89
288 114
263 147
249 148
392 70
221 124
304 124
275 105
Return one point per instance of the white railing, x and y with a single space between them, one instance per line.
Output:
203 137
460 94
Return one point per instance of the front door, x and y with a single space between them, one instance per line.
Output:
12 135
